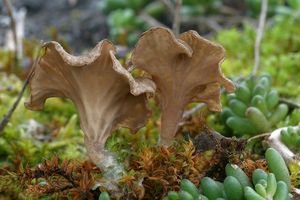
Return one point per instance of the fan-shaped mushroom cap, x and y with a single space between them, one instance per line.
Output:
184 70
105 93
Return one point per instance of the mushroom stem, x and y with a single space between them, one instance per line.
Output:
95 151
99 155
112 170
171 116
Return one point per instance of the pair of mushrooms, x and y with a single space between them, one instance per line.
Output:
107 96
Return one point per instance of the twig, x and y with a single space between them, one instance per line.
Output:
213 25
10 12
227 10
8 115
20 17
258 136
177 18
259 35
169 5
190 112
209 139
72 3
151 20
231 20
187 114
275 142
289 103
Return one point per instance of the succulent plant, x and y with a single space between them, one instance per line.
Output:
276 141
124 19
123 24
267 189
188 191
127 19
294 117
104 196
254 108
277 166
291 138
237 185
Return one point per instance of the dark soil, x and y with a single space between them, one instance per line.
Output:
80 25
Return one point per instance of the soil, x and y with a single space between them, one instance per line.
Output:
78 22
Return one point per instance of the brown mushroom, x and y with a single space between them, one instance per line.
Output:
184 70
105 93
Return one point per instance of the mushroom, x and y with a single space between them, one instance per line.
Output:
105 93
184 70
